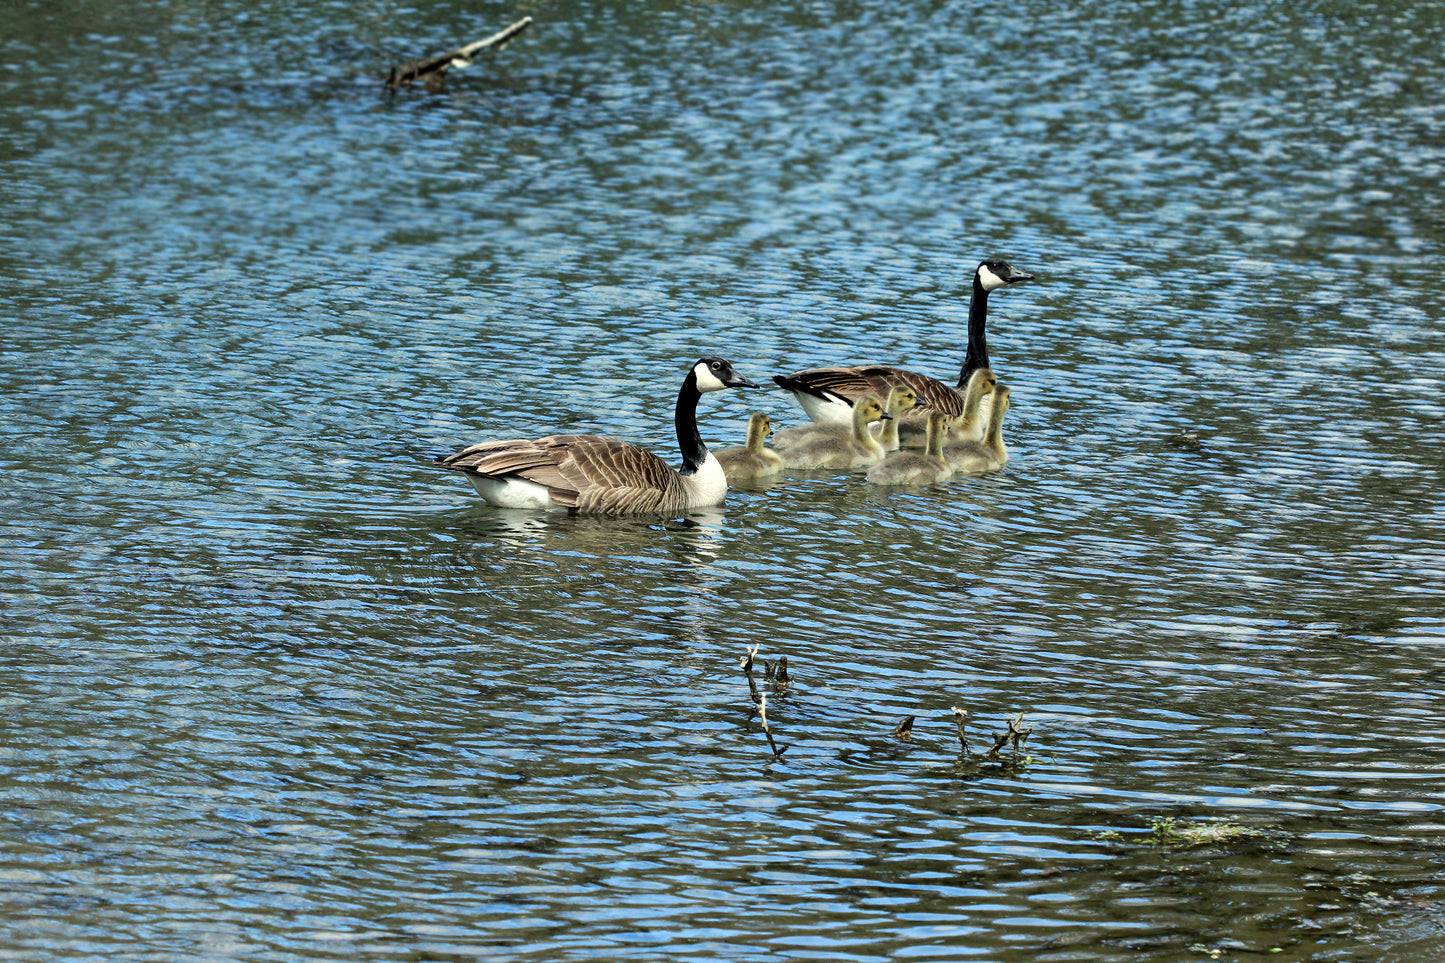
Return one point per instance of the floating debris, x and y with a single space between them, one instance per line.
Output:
779 676
904 729
1185 439
432 70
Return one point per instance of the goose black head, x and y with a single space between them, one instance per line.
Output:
994 273
715 374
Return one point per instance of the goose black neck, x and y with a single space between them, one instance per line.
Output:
689 441
977 355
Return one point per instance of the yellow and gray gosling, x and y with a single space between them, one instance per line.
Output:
752 460
971 424
927 467
793 437
858 449
975 456
900 401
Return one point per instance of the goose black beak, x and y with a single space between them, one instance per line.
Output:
1018 276
738 381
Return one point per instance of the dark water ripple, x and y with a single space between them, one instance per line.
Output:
276 690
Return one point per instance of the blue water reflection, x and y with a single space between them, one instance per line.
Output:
278 689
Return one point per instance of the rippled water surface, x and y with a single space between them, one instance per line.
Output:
275 688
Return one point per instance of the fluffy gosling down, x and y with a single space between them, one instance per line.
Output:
593 474
967 457
790 438
927 467
856 449
901 401
972 422
753 460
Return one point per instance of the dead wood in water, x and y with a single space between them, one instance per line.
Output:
961 716
431 70
767 729
760 699
1013 734
778 675
746 664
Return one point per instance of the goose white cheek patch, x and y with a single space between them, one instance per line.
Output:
706 380
989 280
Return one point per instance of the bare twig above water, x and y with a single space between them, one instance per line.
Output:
778 675
431 70
767 729
1014 735
760 698
746 664
961 716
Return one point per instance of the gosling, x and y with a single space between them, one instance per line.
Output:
900 401
968 457
858 449
972 422
928 467
752 460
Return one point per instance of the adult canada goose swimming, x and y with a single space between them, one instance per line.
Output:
986 455
599 475
753 460
827 394
927 467
857 449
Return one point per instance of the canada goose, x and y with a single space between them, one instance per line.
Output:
827 450
752 460
596 474
827 394
900 401
986 455
916 468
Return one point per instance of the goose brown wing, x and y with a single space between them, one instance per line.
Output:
540 460
616 476
852 383
589 473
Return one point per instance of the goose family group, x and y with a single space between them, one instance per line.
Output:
902 427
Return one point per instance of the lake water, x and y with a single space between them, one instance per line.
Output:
274 688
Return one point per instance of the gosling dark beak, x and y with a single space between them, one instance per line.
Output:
885 417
